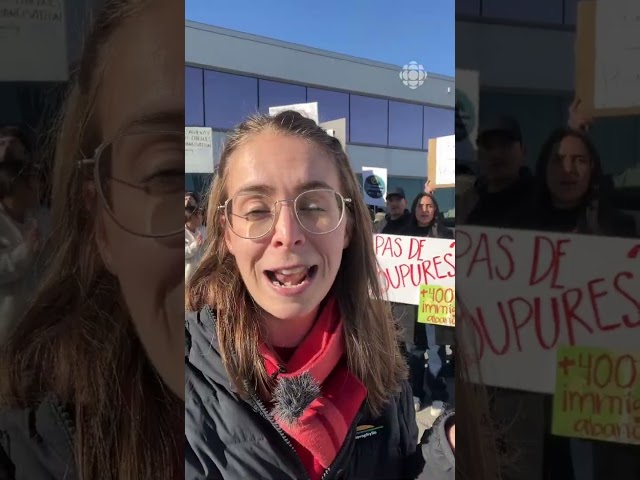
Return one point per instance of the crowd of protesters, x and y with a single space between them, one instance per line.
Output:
567 192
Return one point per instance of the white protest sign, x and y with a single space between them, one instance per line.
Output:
198 150
33 41
445 160
524 294
617 54
406 263
309 110
374 184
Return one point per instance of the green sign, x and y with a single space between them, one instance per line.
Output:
597 395
437 305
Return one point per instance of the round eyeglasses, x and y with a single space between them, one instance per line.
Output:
140 180
253 215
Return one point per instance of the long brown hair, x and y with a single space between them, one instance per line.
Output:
77 339
370 332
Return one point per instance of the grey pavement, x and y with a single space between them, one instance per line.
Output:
424 418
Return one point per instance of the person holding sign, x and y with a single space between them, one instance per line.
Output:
426 222
569 198
571 193
293 368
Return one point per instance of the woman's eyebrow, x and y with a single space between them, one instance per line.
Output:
267 190
158 120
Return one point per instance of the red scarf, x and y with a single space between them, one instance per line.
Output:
317 398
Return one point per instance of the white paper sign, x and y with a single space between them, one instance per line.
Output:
309 110
524 294
33 42
446 160
374 184
198 150
405 263
617 54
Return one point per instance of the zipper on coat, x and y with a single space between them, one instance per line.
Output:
265 413
340 453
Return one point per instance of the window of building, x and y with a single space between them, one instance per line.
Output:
538 11
193 104
331 105
405 125
468 7
228 99
438 122
369 120
570 11
275 94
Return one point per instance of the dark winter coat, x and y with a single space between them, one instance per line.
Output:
233 439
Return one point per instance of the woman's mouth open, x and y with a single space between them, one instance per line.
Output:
291 281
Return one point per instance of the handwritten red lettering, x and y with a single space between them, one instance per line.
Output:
502 240
626 319
554 253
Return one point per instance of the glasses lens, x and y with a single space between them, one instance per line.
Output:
319 211
250 215
141 177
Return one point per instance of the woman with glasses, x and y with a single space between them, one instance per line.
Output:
293 365
92 381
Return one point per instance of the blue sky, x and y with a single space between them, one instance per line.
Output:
391 31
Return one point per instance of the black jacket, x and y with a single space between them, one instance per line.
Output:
504 208
232 439
36 443
395 227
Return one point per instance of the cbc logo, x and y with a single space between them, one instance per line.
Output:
413 75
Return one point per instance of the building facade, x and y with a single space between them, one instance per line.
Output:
230 75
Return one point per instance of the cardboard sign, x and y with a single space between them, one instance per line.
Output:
523 294
437 305
597 395
407 263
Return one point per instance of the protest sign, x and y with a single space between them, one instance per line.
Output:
374 185
523 294
198 150
407 263
309 110
597 395
437 305
33 41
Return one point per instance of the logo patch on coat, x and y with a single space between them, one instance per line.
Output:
365 431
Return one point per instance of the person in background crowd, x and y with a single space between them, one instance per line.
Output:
572 193
398 216
506 183
292 358
13 144
191 198
426 222
194 235
20 242
570 197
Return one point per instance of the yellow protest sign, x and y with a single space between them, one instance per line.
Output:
437 305
597 395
